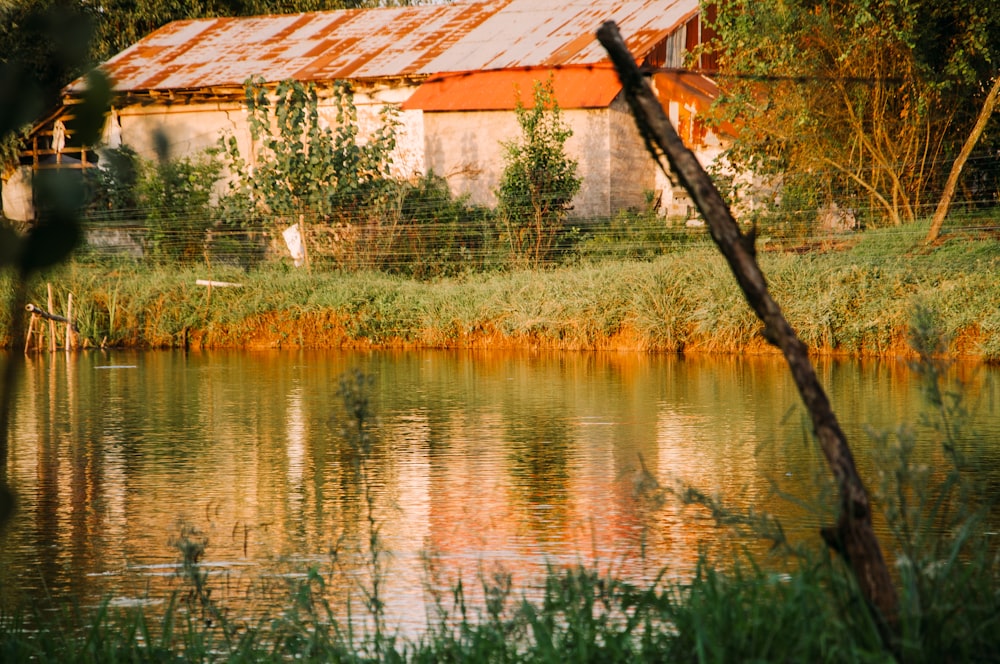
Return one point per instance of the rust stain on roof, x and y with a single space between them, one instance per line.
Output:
419 42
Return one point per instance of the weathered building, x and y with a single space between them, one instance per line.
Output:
455 72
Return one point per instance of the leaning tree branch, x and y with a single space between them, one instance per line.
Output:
853 535
985 113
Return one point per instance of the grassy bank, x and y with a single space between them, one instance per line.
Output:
852 297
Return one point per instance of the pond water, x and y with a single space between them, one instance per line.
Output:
484 461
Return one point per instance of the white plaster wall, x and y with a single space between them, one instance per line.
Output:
675 201
633 171
466 148
591 145
463 147
191 128
17 204
187 129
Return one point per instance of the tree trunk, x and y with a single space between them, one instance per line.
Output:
956 169
853 535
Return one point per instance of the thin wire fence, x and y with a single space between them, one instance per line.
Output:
430 247
419 229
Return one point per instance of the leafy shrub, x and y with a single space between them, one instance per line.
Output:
324 178
437 234
637 235
538 182
175 201
176 198
112 187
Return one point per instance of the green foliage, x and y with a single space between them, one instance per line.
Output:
113 187
797 604
538 182
941 517
60 193
581 615
854 299
175 196
430 233
638 235
939 523
360 435
304 166
44 44
177 205
863 104
330 179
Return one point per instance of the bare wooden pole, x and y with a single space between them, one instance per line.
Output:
27 337
38 312
69 323
853 536
52 323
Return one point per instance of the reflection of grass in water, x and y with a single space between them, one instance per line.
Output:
803 608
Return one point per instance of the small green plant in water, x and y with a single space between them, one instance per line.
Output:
191 543
359 435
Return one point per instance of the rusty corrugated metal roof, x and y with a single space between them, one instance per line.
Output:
416 41
588 86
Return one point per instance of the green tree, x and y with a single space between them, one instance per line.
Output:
539 180
861 102
306 169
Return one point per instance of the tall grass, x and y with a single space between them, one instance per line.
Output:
849 299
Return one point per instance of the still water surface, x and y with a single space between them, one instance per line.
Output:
485 461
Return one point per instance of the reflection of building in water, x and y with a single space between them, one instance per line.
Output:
295 434
682 456
407 510
245 448
409 435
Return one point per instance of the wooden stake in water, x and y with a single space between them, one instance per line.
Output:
69 322
52 323
31 328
